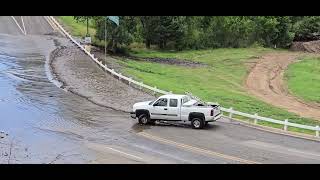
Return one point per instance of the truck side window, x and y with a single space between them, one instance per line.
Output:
161 102
173 103
185 99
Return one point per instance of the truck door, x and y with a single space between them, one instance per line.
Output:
173 111
159 109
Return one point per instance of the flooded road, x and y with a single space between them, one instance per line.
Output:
42 123
47 124
30 103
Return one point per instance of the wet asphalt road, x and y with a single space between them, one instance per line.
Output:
46 124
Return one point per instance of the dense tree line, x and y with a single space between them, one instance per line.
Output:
196 32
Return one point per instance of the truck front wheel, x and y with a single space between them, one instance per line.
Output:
143 119
197 123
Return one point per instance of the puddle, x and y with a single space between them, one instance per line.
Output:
139 128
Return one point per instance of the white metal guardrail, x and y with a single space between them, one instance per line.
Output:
112 71
231 112
285 123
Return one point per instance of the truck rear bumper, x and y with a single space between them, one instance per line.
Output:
218 116
133 115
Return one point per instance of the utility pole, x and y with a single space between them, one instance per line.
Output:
87 26
114 19
105 42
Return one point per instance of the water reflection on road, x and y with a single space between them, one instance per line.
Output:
45 123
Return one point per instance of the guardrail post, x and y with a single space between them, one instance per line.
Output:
285 127
230 113
130 79
317 131
140 87
119 76
154 92
255 118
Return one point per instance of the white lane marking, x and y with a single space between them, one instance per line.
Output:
48 21
196 149
136 157
17 24
102 147
24 27
52 24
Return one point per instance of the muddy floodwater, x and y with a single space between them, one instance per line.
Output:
43 123
57 106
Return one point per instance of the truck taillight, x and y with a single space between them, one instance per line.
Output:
211 112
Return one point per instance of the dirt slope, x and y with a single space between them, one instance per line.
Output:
265 81
311 46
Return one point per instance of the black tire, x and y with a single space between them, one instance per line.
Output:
143 119
206 123
197 123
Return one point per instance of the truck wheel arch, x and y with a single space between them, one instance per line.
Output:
197 115
142 111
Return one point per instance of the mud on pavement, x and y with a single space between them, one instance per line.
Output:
80 75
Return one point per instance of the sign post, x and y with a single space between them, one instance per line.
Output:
114 19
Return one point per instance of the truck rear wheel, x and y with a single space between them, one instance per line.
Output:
197 123
143 119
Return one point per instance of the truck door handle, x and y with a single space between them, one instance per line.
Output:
165 108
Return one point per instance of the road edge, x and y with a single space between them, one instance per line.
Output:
275 130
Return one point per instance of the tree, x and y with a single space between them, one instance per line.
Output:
182 32
149 24
307 28
82 19
162 29
121 34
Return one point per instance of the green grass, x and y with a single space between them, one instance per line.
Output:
303 79
79 29
221 81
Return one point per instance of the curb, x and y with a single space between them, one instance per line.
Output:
276 131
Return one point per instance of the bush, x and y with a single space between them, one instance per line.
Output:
198 32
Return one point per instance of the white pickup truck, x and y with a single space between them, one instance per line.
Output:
174 107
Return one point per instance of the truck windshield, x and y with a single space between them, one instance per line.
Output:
185 99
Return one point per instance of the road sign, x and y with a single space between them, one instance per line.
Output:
87 40
114 19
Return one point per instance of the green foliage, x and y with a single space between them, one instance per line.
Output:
78 27
197 32
307 28
163 29
122 34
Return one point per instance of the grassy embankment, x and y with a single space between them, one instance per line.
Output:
222 80
303 79
79 29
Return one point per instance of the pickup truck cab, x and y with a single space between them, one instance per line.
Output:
174 107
